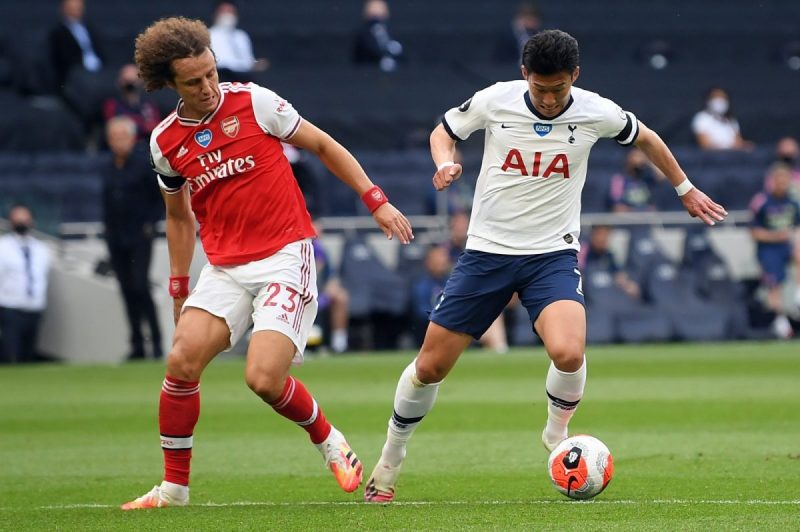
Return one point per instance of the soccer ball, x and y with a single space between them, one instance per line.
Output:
580 467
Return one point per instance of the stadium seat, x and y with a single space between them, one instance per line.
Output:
672 292
372 286
600 327
713 282
643 324
618 316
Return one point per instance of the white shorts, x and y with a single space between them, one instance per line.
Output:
278 293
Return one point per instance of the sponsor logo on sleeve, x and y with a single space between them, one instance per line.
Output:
230 126
464 106
542 129
203 138
183 151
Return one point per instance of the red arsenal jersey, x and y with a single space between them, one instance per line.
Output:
244 195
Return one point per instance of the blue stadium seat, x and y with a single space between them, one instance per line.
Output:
372 287
619 316
693 319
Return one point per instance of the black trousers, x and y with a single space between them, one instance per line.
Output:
18 330
131 263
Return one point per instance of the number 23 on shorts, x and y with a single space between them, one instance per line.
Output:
285 296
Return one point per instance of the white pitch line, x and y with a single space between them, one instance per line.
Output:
546 502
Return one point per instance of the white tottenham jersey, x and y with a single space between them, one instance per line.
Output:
528 194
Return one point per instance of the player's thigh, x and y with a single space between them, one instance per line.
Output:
218 293
269 358
199 337
551 290
439 353
479 288
562 327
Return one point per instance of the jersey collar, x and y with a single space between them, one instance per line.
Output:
536 113
193 122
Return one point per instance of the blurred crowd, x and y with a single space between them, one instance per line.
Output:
132 206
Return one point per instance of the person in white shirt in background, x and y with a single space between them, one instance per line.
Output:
232 46
24 267
715 127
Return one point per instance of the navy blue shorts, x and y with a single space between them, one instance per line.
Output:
482 284
774 260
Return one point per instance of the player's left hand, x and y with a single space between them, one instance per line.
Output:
698 205
393 222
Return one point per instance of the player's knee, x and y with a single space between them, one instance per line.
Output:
429 372
567 354
267 386
183 366
343 297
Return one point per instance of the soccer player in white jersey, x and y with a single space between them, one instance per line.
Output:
523 235
220 162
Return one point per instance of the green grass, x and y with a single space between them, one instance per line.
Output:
704 437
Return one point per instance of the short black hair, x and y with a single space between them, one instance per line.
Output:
550 52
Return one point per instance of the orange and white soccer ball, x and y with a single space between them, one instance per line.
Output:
580 467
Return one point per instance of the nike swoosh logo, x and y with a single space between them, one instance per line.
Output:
503 126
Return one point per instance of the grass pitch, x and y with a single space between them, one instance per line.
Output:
704 437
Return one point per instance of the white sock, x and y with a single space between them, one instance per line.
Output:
339 340
412 401
176 491
564 391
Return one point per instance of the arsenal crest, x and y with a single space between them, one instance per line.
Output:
230 126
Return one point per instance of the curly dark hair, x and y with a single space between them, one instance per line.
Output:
550 52
163 42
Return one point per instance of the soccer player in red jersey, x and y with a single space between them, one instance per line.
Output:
219 162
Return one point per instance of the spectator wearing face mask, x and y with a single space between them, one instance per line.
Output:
133 103
787 152
715 127
232 46
631 190
374 44
24 267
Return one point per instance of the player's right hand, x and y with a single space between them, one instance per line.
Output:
444 178
393 222
177 306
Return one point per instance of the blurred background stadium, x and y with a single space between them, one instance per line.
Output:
656 58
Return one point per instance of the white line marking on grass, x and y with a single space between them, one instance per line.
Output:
544 502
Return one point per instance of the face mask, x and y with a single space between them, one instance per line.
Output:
20 229
718 105
638 172
130 87
227 20
788 159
